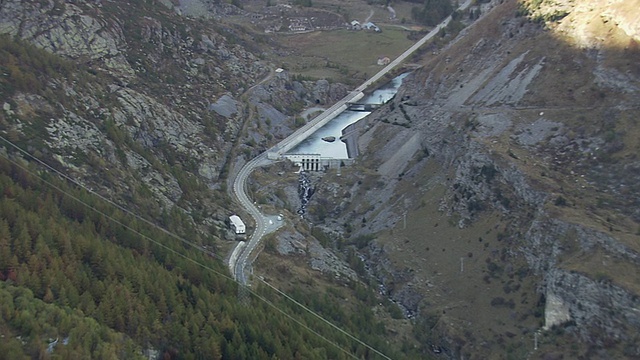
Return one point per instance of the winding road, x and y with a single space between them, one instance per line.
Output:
239 262
239 189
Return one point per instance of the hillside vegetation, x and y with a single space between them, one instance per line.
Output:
496 198
153 111
75 269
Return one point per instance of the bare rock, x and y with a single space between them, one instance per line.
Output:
225 106
291 243
65 29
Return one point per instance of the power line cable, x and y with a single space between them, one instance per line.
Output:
118 206
196 262
175 236
325 320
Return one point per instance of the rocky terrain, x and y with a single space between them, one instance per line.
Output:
138 102
496 197
145 105
499 187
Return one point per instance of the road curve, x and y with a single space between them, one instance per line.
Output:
239 190
239 183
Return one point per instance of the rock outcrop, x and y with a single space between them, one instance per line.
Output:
121 98
66 29
516 124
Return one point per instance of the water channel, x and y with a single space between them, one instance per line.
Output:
337 149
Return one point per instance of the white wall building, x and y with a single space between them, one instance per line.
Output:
237 224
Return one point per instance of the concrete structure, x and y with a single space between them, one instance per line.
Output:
237 224
312 126
308 162
315 162
362 107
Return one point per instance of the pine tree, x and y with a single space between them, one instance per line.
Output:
5 247
22 242
48 295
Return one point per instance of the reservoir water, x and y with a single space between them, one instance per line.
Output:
337 149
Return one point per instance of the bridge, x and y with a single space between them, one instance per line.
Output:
362 107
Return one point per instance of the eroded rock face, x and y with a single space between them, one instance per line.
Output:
571 295
327 93
476 122
133 120
595 306
151 123
225 106
584 18
164 186
624 16
66 29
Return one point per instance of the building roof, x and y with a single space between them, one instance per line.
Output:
370 26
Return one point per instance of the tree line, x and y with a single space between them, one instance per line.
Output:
55 251
68 272
432 12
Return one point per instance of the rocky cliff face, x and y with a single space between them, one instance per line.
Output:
513 145
129 116
67 29
140 103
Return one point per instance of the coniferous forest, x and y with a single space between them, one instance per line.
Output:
80 280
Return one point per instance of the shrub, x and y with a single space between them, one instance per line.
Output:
560 201
433 12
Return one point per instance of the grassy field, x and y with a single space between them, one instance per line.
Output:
342 55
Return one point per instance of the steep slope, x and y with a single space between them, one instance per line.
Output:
119 97
145 106
153 111
500 186
75 284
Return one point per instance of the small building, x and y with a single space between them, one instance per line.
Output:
371 26
383 60
355 25
297 28
237 224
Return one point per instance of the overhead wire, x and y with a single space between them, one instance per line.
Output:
196 262
196 246
103 198
325 320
